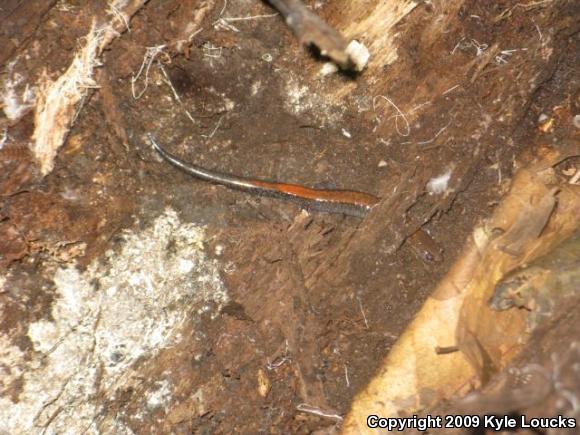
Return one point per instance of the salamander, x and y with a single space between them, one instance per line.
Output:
347 202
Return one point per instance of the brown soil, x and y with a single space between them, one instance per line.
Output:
319 297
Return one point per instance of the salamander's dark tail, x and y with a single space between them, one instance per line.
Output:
203 173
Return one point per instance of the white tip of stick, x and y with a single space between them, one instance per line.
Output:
359 54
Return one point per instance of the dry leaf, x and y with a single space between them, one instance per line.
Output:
414 376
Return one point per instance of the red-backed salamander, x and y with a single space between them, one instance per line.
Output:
347 202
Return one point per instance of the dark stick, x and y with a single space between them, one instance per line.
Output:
310 29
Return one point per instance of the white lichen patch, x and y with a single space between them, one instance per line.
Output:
440 184
122 309
16 96
300 99
160 397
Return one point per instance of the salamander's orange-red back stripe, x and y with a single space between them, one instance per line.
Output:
343 196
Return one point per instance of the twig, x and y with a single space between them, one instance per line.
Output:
538 29
279 361
303 407
450 90
525 6
425 142
210 49
121 17
445 350
414 109
4 138
224 22
500 58
224 8
399 114
310 29
479 48
214 130
168 81
483 62
457 46
363 312
253 17
175 94
150 54
576 178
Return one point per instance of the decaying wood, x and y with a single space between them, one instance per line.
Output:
57 101
112 112
308 265
19 24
